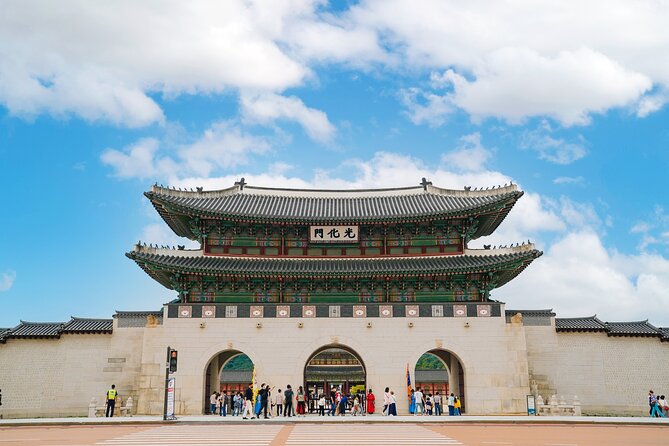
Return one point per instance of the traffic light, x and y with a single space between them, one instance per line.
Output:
173 361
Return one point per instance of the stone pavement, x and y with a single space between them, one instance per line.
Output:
215 419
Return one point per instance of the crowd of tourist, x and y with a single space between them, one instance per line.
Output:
658 405
290 403
428 404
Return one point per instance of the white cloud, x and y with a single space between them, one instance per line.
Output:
139 160
426 107
578 276
526 58
550 148
568 180
267 108
108 62
653 230
222 145
101 62
469 156
568 87
7 279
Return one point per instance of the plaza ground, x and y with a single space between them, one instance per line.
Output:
369 431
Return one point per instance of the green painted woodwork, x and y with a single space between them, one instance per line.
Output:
429 362
239 362
333 297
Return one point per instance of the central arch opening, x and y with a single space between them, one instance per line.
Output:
229 371
334 366
440 372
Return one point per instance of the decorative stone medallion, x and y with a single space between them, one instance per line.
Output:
437 311
283 311
308 311
208 311
483 310
256 311
385 311
231 311
411 311
335 311
359 311
185 311
460 310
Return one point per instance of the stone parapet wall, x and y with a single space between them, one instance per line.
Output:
610 375
58 377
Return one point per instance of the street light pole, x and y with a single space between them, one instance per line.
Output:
167 380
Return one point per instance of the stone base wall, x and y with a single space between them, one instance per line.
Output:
610 375
492 354
58 377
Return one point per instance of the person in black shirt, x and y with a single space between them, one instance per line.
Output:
248 402
288 406
264 396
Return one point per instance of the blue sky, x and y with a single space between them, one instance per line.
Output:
96 107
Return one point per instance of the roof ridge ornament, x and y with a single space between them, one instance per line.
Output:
425 183
241 183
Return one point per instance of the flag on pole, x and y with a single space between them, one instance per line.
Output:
255 385
408 382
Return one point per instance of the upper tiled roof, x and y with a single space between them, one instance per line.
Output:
160 263
579 324
333 206
27 330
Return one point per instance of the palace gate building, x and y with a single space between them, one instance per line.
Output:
327 287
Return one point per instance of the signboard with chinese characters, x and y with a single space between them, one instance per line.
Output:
333 234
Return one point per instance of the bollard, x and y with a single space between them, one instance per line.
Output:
128 406
91 408
577 407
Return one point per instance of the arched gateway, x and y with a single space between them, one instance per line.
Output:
441 371
229 371
391 268
334 366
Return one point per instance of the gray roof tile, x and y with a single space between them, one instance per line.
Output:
81 325
546 313
512 262
665 333
26 330
36 330
134 314
579 324
313 206
638 328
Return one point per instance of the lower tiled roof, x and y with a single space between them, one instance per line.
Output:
579 324
665 333
36 330
161 263
535 313
81 325
32 330
639 328
593 324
